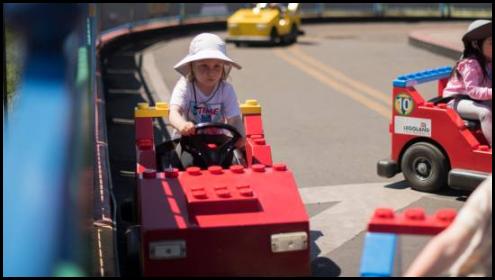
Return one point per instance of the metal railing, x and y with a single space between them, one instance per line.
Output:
112 14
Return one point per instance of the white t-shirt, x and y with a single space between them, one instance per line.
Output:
217 107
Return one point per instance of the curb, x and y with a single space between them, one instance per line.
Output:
421 40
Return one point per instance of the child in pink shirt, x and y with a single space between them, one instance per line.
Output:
471 79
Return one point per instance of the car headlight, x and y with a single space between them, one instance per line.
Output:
173 249
261 26
290 241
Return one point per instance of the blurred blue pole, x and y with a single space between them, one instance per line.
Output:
36 142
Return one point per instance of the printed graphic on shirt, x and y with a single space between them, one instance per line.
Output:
202 112
412 126
404 104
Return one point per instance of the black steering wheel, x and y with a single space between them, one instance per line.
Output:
199 144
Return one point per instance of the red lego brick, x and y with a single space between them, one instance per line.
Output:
258 152
172 173
411 221
253 125
208 200
214 214
144 128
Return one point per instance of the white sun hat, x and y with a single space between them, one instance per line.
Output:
477 30
205 46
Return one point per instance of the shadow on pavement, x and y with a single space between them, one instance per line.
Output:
444 192
321 266
324 267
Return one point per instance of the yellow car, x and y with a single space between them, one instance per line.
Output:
273 23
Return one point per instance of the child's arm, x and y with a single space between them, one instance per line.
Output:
444 249
236 122
441 251
177 119
472 76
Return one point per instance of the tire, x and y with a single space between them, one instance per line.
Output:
132 248
293 34
425 167
274 37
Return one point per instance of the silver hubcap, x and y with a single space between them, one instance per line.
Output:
422 166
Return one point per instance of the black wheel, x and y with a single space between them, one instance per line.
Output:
425 167
132 247
293 34
237 44
274 38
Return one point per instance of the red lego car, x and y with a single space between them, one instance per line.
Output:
216 219
431 144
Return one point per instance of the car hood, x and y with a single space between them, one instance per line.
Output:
249 16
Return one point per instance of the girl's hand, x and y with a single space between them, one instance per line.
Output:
187 129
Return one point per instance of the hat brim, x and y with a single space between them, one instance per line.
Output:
183 66
481 32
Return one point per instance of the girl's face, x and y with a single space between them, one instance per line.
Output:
208 72
486 48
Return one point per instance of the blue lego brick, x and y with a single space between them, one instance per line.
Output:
378 255
421 77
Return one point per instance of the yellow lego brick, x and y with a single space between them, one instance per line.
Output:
250 107
143 110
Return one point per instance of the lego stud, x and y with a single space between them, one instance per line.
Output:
161 105
415 214
446 215
384 213
143 105
259 141
215 169
193 170
484 148
199 194
222 192
238 169
245 190
149 173
256 136
429 104
172 173
258 167
252 102
279 167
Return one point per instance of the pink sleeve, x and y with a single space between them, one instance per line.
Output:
472 77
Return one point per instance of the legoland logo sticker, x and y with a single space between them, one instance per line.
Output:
412 126
404 104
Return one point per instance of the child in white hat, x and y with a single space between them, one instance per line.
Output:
471 79
202 94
